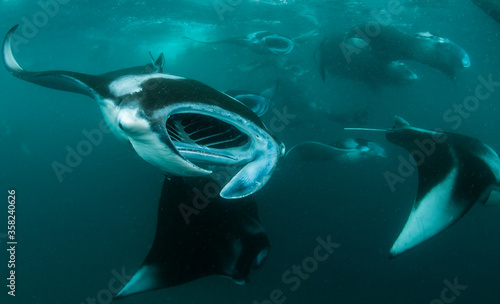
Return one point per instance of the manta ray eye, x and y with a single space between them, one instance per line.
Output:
206 131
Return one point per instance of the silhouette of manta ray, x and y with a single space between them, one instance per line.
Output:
223 238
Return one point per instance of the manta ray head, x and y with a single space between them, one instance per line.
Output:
443 53
279 45
189 129
276 44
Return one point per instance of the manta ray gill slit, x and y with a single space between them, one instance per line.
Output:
203 130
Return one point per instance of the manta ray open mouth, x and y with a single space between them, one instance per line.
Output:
277 43
232 148
206 132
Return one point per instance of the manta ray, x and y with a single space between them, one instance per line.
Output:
490 7
179 125
349 151
221 238
353 58
264 42
390 44
258 103
261 42
454 173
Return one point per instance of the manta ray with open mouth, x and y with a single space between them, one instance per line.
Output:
179 125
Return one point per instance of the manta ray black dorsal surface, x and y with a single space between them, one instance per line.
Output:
197 236
454 173
391 44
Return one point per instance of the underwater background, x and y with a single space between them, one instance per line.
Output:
77 233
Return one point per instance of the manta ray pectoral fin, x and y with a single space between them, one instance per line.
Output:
8 56
59 80
250 178
145 279
429 216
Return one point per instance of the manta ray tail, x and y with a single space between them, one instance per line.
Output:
399 123
305 37
197 41
365 129
230 40
311 151
59 80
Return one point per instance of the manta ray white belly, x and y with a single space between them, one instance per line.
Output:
432 216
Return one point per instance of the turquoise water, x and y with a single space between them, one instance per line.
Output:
76 232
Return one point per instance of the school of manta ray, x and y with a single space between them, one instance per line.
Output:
193 133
